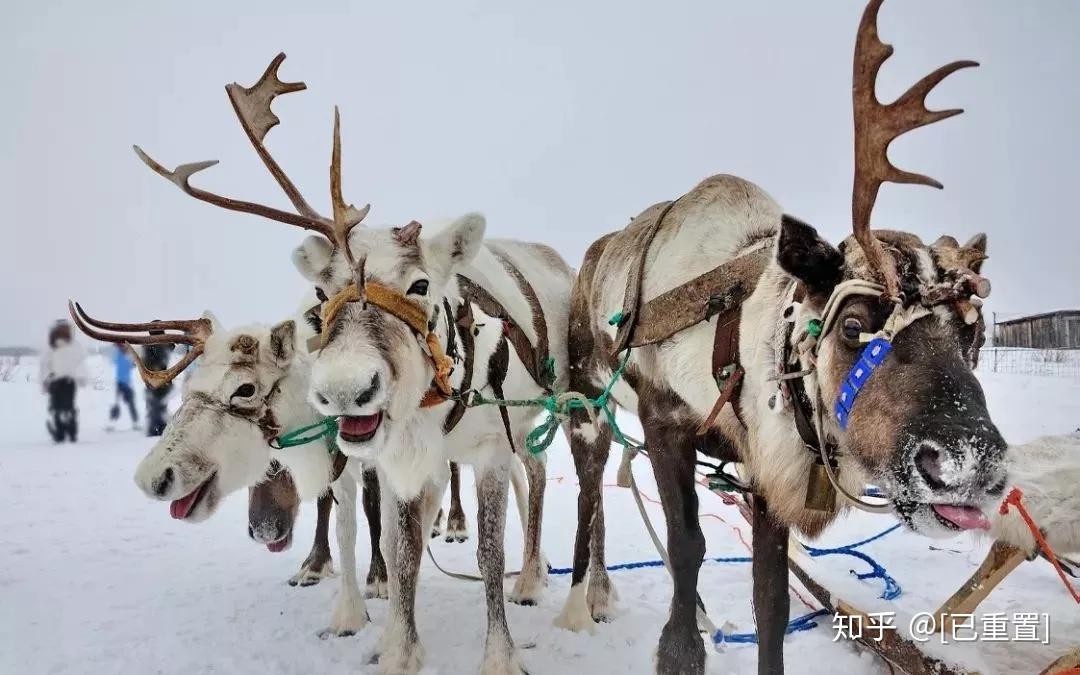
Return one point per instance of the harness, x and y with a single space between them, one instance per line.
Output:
459 328
719 292
823 482
408 311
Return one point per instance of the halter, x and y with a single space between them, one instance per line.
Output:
877 349
412 314
266 422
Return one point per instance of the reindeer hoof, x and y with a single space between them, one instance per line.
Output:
310 575
327 633
376 589
456 536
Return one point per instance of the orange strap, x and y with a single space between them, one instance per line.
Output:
414 316
1014 498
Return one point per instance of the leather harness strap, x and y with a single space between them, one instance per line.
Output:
722 289
541 351
498 365
726 369
801 406
464 323
636 275
529 356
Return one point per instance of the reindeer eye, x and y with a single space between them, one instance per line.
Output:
244 391
419 287
320 294
852 329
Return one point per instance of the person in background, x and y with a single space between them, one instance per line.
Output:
125 395
156 357
63 370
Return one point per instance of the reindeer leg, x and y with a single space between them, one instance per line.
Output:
589 445
400 650
601 595
771 601
319 563
500 656
376 578
530 583
350 614
681 650
457 528
436 526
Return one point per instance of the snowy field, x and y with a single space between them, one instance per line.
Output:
95 578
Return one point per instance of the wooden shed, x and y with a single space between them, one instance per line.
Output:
1053 330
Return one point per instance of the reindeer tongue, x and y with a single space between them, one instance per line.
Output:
359 425
279 545
964 517
180 508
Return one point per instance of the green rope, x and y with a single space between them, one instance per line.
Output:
308 434
538 440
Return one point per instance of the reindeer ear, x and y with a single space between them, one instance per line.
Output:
283 343
978 242
312 257
459 242
215 325
803 254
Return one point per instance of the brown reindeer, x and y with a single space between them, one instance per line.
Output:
272 509
721 289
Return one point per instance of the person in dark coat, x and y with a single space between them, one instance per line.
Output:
156 357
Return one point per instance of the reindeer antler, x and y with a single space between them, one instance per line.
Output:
193 332
876 126
252 107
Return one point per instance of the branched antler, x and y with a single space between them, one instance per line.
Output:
876 126
194 332
252 107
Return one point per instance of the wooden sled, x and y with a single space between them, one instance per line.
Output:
894 647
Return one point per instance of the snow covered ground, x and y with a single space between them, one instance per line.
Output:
96 578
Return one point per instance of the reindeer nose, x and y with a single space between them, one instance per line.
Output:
345 395
162 483
365 396
928 463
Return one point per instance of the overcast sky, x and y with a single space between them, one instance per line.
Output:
558 120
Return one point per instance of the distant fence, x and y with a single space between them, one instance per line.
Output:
1019 361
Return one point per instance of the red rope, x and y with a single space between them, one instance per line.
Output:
1014 498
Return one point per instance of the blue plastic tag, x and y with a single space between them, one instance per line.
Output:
872 357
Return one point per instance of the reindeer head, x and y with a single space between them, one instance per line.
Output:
217 441
272 508
892 328
371 363
375 364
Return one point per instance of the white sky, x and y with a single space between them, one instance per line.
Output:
558 120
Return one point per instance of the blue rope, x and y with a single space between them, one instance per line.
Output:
797 625
877 571
645 564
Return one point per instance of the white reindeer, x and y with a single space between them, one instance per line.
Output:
382 346
251 383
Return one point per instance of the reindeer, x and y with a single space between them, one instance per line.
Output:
395 305
744 296
251 383
273 505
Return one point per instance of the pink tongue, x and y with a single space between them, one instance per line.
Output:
180 508
359 425
279 545
964 517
